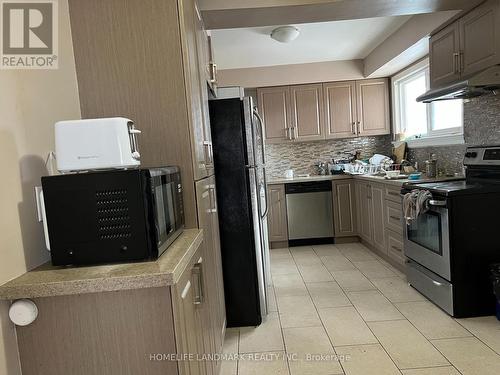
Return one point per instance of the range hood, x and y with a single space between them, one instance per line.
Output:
482 83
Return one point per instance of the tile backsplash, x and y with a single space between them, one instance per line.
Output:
481 127
302 156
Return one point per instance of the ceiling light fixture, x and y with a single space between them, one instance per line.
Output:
285 34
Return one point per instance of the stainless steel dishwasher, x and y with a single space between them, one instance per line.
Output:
309 212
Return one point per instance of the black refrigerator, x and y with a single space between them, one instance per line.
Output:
238 143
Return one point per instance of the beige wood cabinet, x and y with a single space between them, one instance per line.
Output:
365 211
307 115
344 208
373 117
444 56
340 109
214 327
467 46
277 219
147 68
274 108
377 201
323 111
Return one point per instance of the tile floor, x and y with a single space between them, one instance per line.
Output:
340 309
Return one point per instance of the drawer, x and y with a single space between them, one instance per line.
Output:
393 193
395 245
394 216
437 289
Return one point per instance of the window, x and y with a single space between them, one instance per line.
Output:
421 124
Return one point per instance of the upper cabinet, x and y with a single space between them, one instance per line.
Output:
274 108
340 109
372 104
307 112
467 46
323 111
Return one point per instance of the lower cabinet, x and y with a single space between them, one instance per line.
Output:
212 278
344 208
277 217
364 210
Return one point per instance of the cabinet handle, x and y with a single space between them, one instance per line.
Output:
353 127
213 200
213 72
207 149
462 62
358 123
199 293
393 193
394 217
456 63
295 132
396 248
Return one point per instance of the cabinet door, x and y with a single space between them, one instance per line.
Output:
277 223
274 108
189 28
214 296
188 337
220 306
373 107
444 50
378 202
307 112
344 208
480 38
365 212
340 109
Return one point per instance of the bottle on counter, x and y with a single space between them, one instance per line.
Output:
431 166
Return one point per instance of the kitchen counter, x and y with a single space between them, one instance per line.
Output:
49 281
379 179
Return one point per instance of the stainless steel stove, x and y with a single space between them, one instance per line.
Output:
450 247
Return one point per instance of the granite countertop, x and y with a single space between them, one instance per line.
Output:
49 281
380 179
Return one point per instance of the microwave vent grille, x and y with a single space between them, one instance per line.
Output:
113 214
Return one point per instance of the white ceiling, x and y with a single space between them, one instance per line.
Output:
317 42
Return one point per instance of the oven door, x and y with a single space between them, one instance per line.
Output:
166 191
426 239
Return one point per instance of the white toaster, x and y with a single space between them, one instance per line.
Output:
92 144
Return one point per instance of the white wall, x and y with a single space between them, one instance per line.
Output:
30 103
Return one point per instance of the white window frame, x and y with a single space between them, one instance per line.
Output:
451 136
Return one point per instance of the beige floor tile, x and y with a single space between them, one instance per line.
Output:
315 274
373 269
345 326
307 345
407 347
327 294
309 260
283 266
446 370
352 281
470 356
289 285
283 253
397 290
355 252
337 263
367 359
373 306
326 250
263 364
271 299
302 251
431 321
265 338
486 328
297 311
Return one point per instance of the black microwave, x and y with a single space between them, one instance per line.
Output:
112 216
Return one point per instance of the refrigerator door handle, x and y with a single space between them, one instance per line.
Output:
265 195
261 125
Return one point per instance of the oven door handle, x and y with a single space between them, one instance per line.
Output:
433 202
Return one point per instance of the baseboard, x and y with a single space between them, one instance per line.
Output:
278 244
392 262
349 239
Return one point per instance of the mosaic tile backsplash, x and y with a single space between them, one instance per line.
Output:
302 156
481 127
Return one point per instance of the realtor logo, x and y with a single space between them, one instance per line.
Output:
29 34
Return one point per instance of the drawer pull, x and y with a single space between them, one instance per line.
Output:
437 283
394 217
396 248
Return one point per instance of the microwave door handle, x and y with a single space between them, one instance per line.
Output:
44 221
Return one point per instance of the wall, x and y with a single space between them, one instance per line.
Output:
481 127
30 103
302 156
